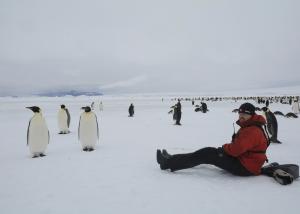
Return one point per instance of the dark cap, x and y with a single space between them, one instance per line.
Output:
247 108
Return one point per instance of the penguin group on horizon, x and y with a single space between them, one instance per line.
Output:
38 136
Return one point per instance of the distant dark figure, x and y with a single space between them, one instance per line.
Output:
204 107
177 113
193 102
272 125
267 103
131 110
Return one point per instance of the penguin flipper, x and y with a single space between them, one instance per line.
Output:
79 128
28 133
97 127
48 136
69 118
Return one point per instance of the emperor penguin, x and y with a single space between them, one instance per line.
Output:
37 133
88 132
131 110
272 125
64 120
295 107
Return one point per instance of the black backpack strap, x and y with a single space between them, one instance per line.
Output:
264 127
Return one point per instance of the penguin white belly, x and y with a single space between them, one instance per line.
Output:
62 121
38 135
88 131
295 108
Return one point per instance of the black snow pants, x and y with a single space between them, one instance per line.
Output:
208 155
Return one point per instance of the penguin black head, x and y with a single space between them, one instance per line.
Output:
86 108
62 106
35 109
265 109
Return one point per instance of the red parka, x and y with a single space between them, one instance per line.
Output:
249 144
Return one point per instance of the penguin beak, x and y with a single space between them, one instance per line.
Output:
83 108
35 109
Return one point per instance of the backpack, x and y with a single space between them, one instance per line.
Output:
282 173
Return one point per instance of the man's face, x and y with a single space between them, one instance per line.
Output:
243 117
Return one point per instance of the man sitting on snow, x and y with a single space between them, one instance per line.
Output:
244 156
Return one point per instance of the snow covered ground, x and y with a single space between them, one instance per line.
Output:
121 175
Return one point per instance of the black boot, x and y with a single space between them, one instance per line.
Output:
166 154
162 160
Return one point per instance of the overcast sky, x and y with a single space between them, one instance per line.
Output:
148 46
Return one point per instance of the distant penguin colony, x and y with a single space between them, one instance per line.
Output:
64 120
88 132
37 133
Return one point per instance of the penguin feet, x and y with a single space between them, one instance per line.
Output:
275 141
42 155
88 149
64 132
35 156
